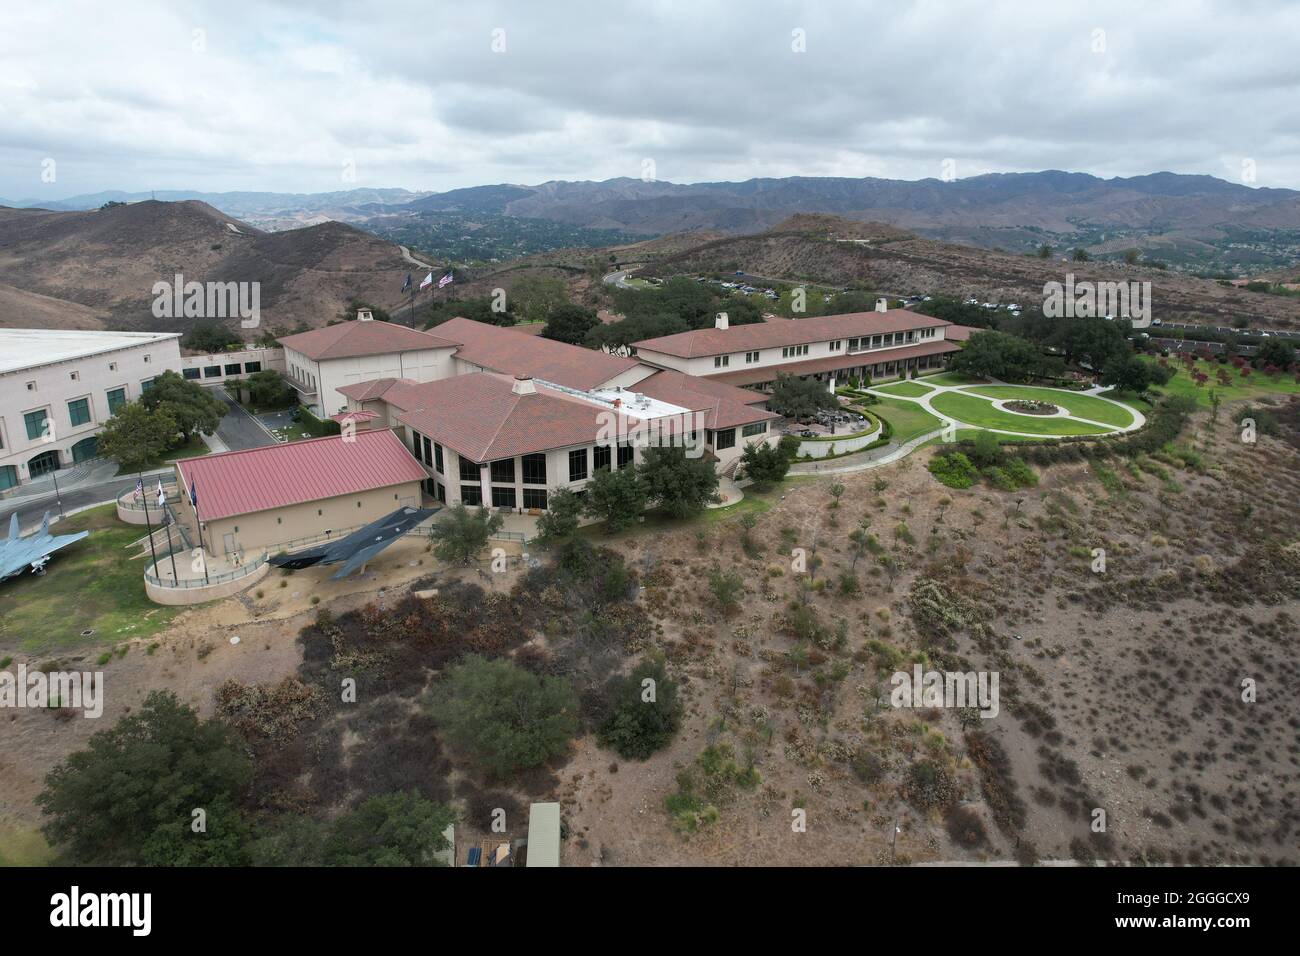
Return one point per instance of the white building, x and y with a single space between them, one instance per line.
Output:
882 344
58 387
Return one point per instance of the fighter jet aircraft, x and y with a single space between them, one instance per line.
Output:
18 553
359 547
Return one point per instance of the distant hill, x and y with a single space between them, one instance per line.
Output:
841 253
1197 221
106 262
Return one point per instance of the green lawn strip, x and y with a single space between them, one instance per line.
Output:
93 583
1256 386
947 378
1081 406
973 410
968 434
909 389
907 419
23 846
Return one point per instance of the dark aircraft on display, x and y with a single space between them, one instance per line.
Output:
359 547
18 553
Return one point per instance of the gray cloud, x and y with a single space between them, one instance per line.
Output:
239 94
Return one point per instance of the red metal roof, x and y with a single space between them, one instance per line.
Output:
766 335
768 373
351 339
257 479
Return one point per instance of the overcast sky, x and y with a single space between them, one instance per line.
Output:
312 97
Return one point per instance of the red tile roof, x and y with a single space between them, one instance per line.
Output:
960 333
724 405
359 416
765 335
257 479
373 389
769 373
351 339
501 349
480 417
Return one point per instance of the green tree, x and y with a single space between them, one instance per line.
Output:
559 521
1081 255
1274 351
1044 251
393 829
646 714
616 497
796 397
462 534
726 588
506 718
129 797
764 464
477 310
997 355
619 335
534 298
210 337
571 324
188 404
674 481
137 437
1128 373
268 389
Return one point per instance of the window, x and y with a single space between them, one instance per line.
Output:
112 366
600 457
471 494
726 438
146 384
116 399
146 358
74 375
31 386
8 477
624 455
755 429
578 464
721 361
35 422
233 368
835 345
469 471
534 469
190 373
853 344
503 497
437 457
535 498
428 451
503 470
78 412
791 351
751 358
251 367
212 371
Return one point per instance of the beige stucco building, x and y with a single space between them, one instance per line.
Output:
58 387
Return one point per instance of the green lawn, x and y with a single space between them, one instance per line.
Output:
946 378
972 410
909 389
23 846
907 419
1258 385
92 583
1083 406
191 449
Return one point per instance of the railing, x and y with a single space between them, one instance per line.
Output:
190 583
148 497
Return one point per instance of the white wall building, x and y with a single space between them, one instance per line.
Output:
58 387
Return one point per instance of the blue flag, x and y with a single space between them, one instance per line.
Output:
407 284
194 496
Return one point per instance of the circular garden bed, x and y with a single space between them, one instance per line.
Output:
1030 407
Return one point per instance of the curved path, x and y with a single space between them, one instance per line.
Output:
892 452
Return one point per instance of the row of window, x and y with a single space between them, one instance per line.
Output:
75 374
37 422
504 497
836 345
216 371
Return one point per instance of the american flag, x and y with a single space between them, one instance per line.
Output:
445 280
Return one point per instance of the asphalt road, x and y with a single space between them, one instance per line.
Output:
238 429
31 511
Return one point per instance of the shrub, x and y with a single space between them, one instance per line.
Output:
954 470
637 726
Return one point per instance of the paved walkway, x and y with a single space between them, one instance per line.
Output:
886 454
238 429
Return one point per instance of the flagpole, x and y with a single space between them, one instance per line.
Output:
198 522
147 523
171 552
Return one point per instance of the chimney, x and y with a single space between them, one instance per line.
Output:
524 385
720 321
882 305
365 315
